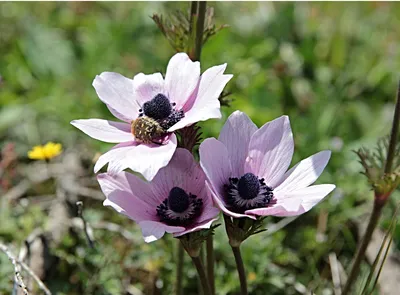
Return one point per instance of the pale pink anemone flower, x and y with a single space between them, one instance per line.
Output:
247 173
176 201
152 109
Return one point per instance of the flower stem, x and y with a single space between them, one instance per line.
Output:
373 221
240 269
200 29
393 135
378 204
202 274
210 263
179 269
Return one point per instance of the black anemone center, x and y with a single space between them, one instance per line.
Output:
178 200
158 108
248 186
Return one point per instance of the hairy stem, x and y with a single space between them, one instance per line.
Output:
202 274
240 269
179 269
373 221
210 263
393 135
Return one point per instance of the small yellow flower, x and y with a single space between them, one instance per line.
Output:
251 277
45 152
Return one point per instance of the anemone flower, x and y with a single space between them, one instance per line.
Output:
176 201
246 170
152 108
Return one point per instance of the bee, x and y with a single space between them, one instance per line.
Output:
147 130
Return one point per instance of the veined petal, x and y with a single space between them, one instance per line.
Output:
271 150
236 135
296 202
199 226
122 199
146 87
204 103
154 230
181 78
146 159
305 172
216 164
182 171
107 131
116 91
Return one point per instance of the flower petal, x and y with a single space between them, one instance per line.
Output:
154 230
120 197
146 87
107 131
204 103
146 159
236 135
182 171
116 91
296 202
181 78
204 225
305 172
215 162
271 151
221 204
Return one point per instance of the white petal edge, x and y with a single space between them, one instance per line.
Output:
107 131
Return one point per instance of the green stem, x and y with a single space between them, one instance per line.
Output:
240 269
179 268
202 274
200 30
373 221
393 135
210 263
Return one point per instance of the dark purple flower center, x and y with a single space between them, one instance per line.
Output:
247 192
158 108
248 186
180 208
178 200
162 111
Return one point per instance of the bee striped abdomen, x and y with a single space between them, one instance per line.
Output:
146 129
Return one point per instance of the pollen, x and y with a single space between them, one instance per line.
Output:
45 152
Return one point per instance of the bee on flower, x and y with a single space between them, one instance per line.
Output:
151 109
45 152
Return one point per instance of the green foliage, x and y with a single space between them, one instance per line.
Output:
332 67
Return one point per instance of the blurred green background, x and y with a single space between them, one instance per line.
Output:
332 67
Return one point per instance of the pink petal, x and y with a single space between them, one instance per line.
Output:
215 162
305 172
123 200
181 78
146 87
236 135
146 159
219 202
271 151
116 91
296 202
154 230
205 225
204 104
107 131
182 171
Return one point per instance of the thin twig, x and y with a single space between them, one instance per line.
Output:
89 236
35 277
17 268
